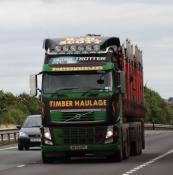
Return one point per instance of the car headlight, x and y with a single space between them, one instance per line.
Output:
22 134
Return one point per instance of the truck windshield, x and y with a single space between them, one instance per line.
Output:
78 82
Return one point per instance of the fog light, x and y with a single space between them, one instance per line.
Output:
47 142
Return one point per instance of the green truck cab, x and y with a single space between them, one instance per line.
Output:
83 98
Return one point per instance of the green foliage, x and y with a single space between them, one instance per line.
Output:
156 109
32 104
14 109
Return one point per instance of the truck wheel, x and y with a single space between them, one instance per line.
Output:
63 159
119 152
136 148
126 152
133 151
46 159
20 147
116 156
26 147
119 155
126 148
140 148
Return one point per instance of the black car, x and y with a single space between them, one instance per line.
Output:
29 134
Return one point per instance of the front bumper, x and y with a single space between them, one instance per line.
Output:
26 142
97 149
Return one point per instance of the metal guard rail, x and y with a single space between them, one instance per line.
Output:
154 126
8 136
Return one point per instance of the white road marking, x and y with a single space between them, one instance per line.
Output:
147 163
20 166
8 148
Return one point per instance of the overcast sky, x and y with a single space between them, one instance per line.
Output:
25 23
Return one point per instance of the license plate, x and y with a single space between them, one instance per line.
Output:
35 139
78 147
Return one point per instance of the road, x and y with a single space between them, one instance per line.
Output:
157 159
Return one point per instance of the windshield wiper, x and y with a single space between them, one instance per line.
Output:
78 116
88 91
63 89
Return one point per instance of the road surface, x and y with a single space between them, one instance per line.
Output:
157 159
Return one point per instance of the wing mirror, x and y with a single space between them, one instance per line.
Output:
33 85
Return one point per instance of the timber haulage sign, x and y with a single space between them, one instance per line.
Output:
82 103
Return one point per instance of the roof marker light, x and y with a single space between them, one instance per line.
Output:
96 47
58 48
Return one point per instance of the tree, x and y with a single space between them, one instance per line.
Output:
14 109
157 110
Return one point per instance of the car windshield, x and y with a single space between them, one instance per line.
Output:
32 122
78 82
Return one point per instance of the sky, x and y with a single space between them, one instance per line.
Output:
24 24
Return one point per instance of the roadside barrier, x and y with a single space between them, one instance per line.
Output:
154 126
9 136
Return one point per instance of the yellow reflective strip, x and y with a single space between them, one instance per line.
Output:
86 68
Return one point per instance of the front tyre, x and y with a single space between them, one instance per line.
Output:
20 147
117 156
46 159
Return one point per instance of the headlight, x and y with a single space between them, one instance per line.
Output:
109 132
22 134
109 135
58 48
47 134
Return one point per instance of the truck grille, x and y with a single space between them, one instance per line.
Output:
70 115
84 135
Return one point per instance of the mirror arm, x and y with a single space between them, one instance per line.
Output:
38 89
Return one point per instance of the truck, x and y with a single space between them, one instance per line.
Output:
92 100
